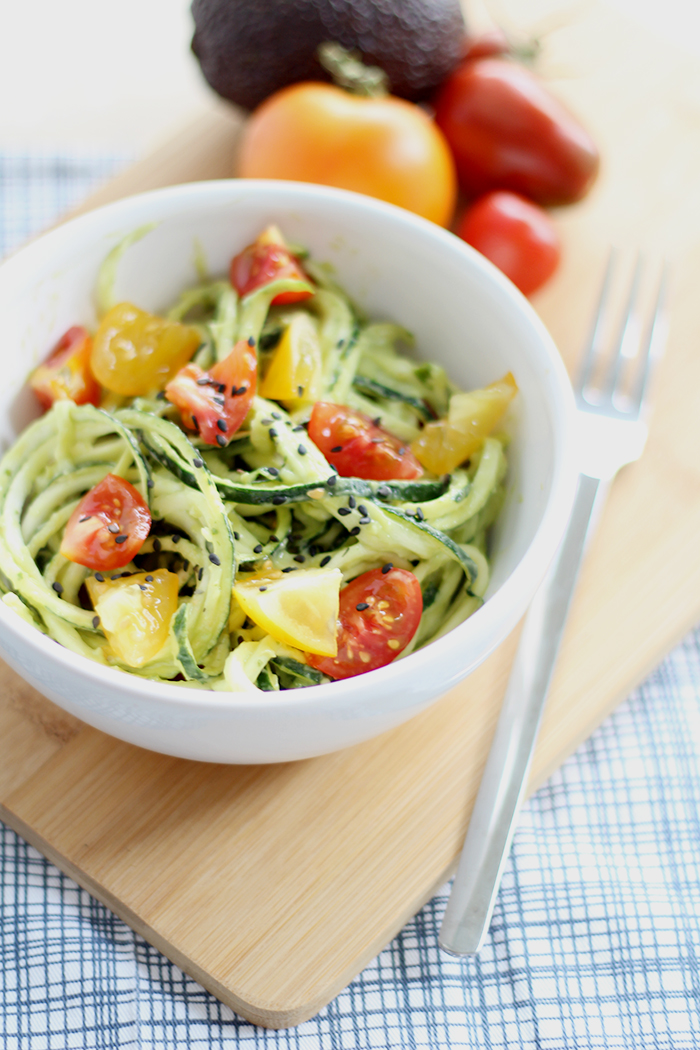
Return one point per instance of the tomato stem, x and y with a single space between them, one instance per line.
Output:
349 71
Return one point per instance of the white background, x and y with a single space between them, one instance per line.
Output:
104 76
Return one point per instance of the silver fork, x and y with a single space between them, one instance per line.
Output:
612 431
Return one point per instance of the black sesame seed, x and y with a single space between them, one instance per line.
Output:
337 448
352 502
156 545
301 449
203 381
121 539
276 415
416 561
218 400
262 588
420 516
258 548
300 558
387 568
86 518
279 500
344 510
197 462
236 536
365 520
95 621
355 531
221 440
300 391
195 424
149 579
215 559
160 396
266 422
290 568
313 551
221 424
361 606
273 432
324 561
377 420
113 528
241 390
273 539
221 388
274 471
362 509
143 587
99 577
331 480
251 341
150 483
384 491
175 538
57 587
296 429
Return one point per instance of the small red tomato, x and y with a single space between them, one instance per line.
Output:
516 235
216 402
508 132
108 526
66 372
357 447
265 260
378 616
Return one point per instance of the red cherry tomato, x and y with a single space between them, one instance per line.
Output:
216 402
108 526
379 614
66 372
516 235
508 132
265 260
357 447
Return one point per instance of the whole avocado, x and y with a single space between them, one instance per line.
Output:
249 49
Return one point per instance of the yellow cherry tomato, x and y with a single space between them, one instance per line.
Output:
135 612
294 375
441 446
136 353
299 608
383 147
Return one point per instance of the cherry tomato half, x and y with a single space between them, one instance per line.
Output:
268 259
383 147
507 131
357 447
108 526
516 235
216 402
379 614
66 372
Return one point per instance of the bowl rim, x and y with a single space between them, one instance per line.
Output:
526 575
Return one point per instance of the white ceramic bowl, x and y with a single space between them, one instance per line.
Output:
464 314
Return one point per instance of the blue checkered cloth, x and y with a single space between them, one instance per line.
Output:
595 938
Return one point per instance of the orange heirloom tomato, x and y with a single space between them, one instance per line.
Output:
383 147
441 446
135 353
216 402
66 372
108 526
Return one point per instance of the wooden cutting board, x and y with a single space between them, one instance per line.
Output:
274 886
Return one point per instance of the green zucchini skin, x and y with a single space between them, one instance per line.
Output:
263 494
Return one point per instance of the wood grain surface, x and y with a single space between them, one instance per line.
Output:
274 886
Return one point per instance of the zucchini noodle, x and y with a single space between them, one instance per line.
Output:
268 498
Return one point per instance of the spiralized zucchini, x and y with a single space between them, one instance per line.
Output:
270 496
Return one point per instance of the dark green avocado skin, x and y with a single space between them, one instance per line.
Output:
250 48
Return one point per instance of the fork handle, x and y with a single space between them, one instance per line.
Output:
505 776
